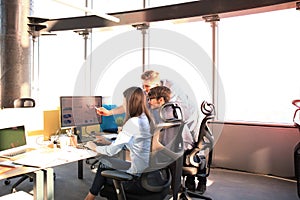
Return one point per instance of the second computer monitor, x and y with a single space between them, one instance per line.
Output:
77 111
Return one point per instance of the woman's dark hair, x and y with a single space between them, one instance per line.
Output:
135 103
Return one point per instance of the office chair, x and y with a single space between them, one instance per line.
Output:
196 164
296 120
163 175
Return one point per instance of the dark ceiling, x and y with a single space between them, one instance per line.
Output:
191 11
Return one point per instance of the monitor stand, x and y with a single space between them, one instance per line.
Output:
81 136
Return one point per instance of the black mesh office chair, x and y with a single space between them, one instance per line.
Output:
164 172
197 162
296 120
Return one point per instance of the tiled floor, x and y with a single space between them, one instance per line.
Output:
222 185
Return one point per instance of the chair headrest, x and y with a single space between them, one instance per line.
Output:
171 112
296 118
208 109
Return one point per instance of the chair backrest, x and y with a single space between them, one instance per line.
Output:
167 142
167 148
208 109
205 138
296 118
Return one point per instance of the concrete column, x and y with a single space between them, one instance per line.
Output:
15 58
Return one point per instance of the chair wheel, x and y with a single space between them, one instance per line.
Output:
93 166
7 182
183 197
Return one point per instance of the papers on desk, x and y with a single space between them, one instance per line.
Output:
54 157
35 159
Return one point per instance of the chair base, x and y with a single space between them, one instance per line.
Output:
93 164
21 179
110 193
187 194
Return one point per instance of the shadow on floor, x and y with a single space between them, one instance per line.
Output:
222 185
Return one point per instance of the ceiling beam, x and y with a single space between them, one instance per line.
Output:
191 11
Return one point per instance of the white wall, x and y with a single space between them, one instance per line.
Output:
32 118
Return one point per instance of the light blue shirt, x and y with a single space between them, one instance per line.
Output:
135 136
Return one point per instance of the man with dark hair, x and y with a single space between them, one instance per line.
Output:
151 79
157 97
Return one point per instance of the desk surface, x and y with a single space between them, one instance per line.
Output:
43 158
6 172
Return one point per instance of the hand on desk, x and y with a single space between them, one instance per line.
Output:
91 145
102 140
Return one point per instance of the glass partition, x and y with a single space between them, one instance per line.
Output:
259 65
257 60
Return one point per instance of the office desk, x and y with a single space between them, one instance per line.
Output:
36 173
7 172
41 162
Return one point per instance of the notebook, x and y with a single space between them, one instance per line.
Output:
13 142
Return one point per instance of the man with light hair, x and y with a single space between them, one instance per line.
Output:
151 79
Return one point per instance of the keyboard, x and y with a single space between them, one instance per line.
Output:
85 139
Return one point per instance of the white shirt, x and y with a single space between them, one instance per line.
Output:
135 136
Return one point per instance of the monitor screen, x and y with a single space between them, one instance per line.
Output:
76 111
12 137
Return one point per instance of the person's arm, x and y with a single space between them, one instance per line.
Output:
91 145
112 149
103 111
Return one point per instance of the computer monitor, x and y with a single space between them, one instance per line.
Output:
12 137
78 111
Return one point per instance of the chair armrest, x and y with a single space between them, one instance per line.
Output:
117 175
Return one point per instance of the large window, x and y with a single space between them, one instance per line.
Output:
258 61
259 65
